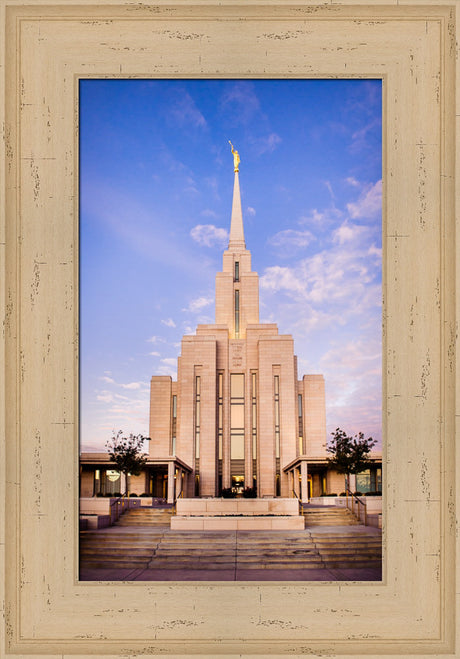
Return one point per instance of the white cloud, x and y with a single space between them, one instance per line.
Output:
209 235
169 322
169 361
168 367
359 137
277 278
339 276
353 375
242 98
347 233
321 218
352 181
191 185
207 212
105 397
185 112
154 354
329 187
156 339
106 379
369 203
132 385
268 143
375 251
250 210
291 238
199 304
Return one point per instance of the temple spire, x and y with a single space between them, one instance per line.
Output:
236 226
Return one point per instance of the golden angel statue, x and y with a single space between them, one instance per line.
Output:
236 158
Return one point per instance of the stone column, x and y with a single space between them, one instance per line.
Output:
296 474
178 482
170 482
304 482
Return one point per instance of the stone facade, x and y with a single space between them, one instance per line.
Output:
238 415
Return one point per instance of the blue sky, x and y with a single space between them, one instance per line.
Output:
156 183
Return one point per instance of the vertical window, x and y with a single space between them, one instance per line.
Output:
97 482
237 271
254 414
174 425
300 416
220 413
197 415
277 416
237 416
237 314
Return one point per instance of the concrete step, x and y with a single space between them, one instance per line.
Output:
121 547
345 564
130 564
347 541
329 516
146 517
94 552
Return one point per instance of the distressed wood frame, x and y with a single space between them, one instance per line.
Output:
412 47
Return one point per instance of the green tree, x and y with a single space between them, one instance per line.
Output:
350 454
126 453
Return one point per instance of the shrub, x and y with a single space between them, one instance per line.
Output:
250 493
145 494
373 494
100 494
228 493
133 494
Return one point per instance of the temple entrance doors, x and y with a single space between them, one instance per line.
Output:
238 485
158 486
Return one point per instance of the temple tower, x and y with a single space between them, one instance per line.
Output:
237 414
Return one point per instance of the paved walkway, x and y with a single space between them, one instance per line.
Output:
324 574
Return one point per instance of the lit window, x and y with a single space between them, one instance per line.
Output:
277 416
237 416
237 314
197 415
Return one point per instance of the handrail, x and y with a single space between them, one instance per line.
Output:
180 495
359 502
120 503
295 494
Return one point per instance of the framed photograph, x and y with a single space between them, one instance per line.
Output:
275 263
50 48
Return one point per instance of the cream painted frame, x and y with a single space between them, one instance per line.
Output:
412 46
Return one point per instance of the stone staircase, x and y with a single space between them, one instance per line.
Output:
117 547
236 549
328 516
346 550
146 517
148 548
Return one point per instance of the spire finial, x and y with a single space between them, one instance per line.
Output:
236 158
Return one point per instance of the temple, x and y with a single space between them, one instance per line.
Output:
238 416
